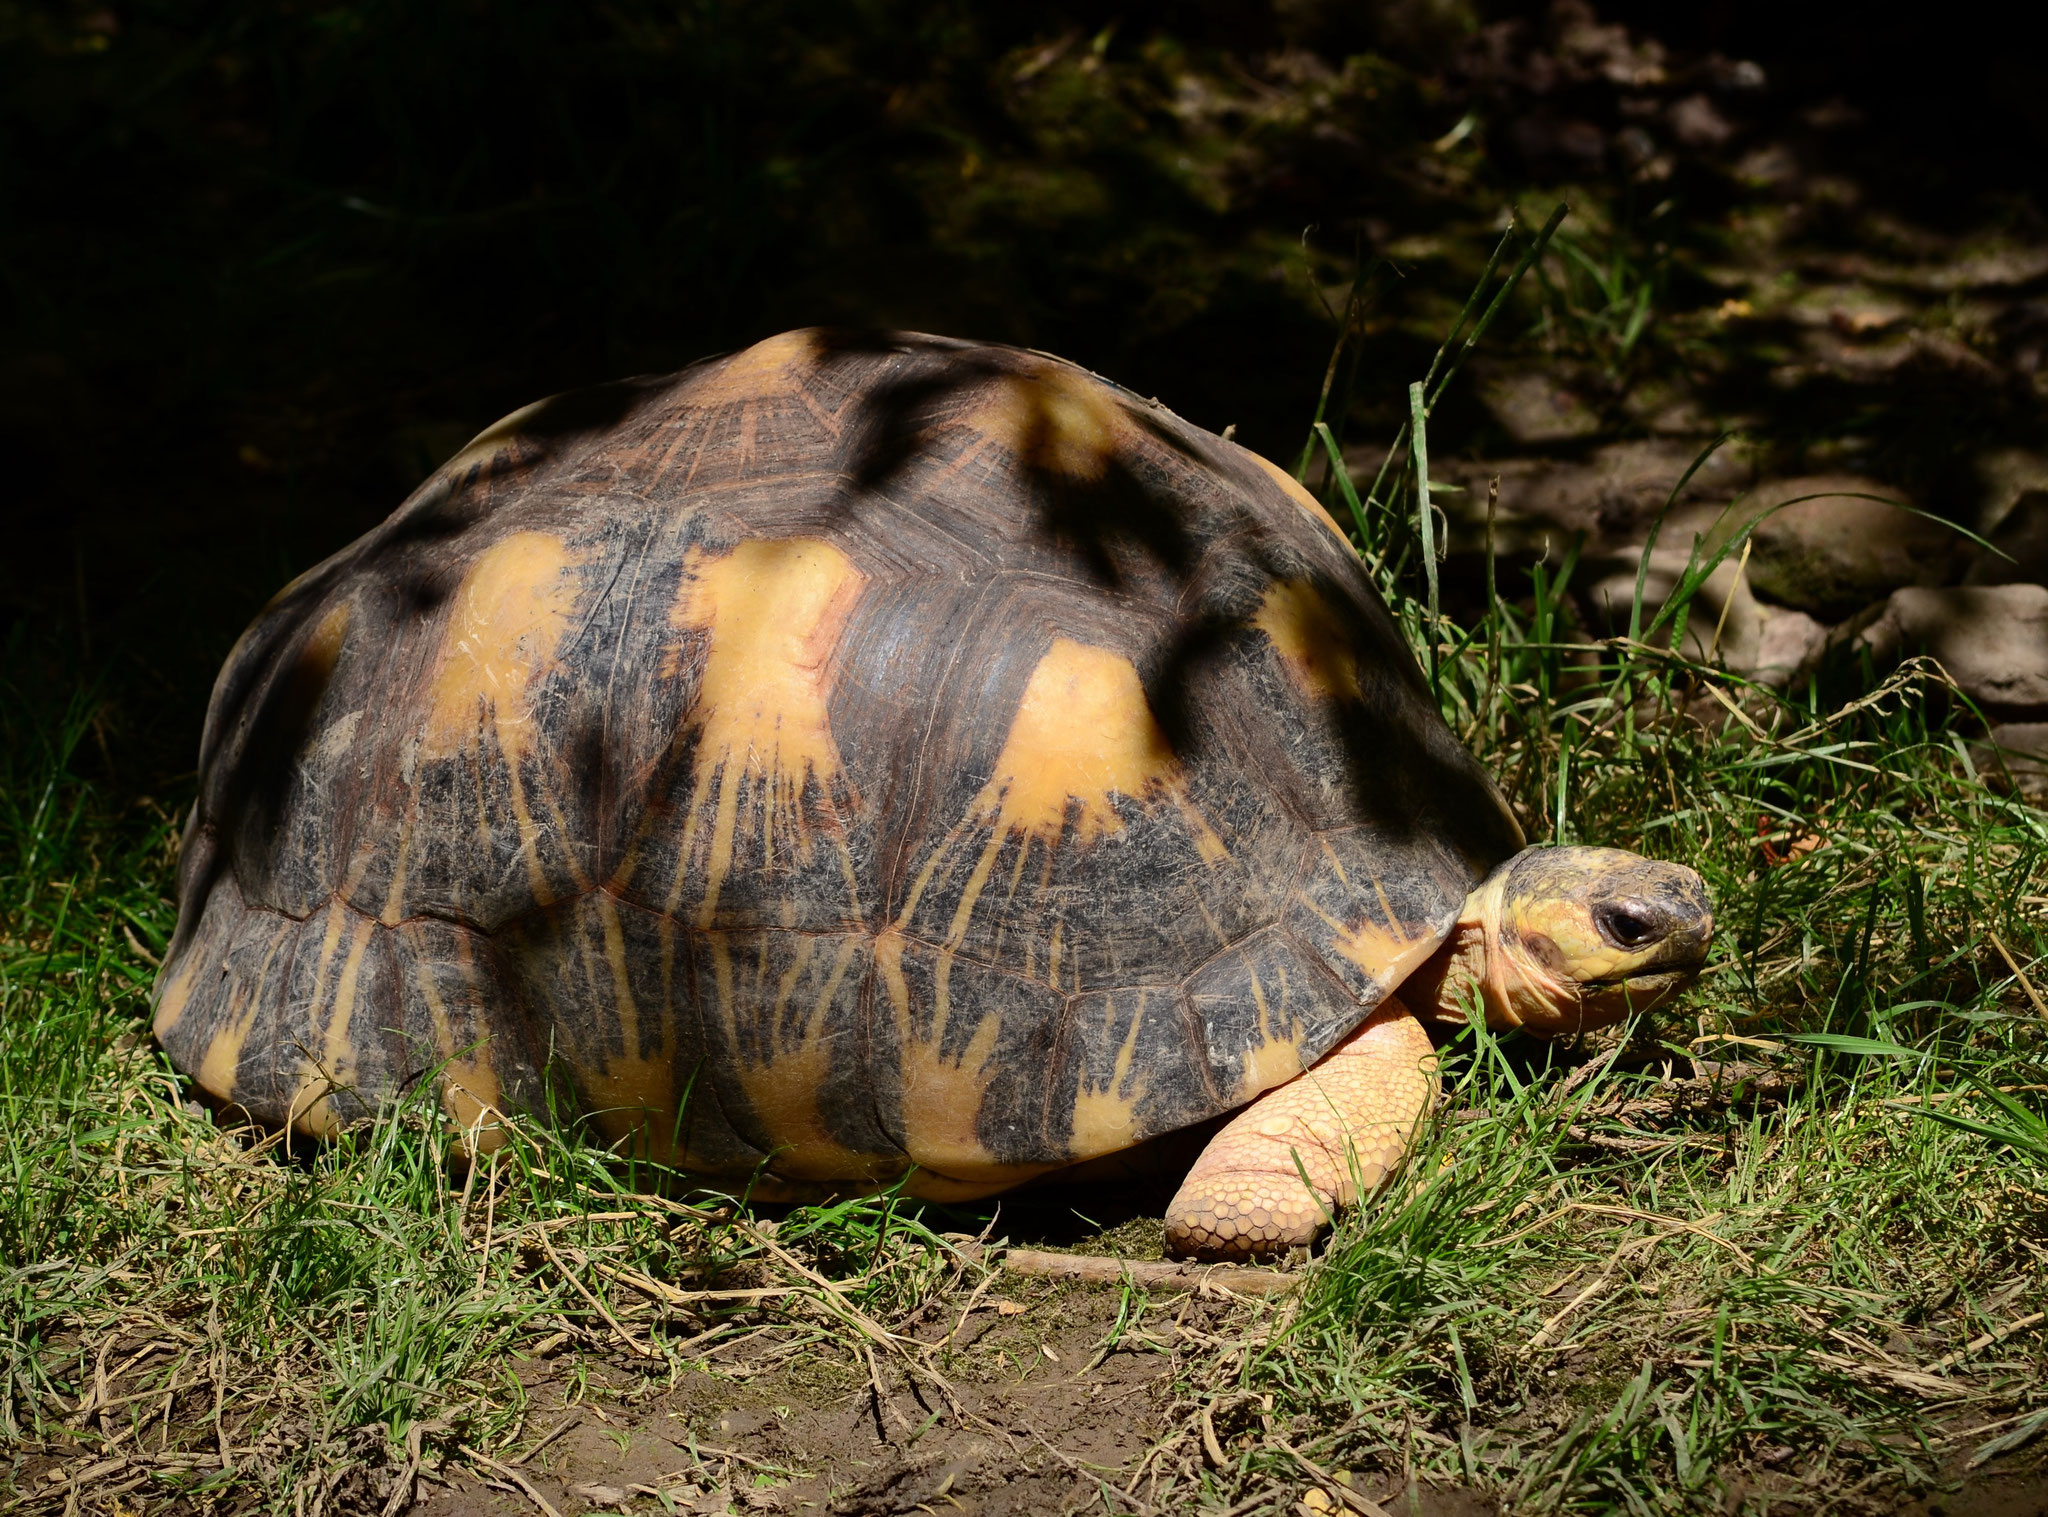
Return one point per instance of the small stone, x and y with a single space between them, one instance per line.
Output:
1532 407
2014 757
2006 474
2022 538
1836 551
1727 624
1698 123
1992 640
1613 494
1854 310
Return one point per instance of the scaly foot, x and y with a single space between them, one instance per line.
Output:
1348 1120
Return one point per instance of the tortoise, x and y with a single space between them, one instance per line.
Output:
870 760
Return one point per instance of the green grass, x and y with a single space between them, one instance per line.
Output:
1588 1314
1588 1292
276 1319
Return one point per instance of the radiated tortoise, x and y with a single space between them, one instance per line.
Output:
873 759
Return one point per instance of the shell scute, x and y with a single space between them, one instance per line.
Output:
624 1030
1131 1066
245 977
208 929
1373 902
785 1030
316 1051
453 999
958 1052
1267 1009
1061 833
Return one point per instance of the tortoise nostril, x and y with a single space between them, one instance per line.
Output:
1626 924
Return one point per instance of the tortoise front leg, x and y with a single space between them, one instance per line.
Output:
1349 1119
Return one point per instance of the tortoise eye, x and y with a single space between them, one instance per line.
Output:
1626 924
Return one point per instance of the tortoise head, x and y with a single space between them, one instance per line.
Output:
1578 938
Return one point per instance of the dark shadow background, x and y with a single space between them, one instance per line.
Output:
263 265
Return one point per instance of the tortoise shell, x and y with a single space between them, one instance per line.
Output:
853 754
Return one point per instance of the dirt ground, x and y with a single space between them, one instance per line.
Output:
1044 1424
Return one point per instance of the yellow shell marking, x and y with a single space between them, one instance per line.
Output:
783 1091
469 1086
316 661
503 633
333 1067
223 1056
1054 419
1105 1118
1310 641
1275 1060
941 1096
774 367
635 1092
1083 733
773 612
493 439
177 994
1386 954
1303 502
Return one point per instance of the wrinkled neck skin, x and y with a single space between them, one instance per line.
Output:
1517 989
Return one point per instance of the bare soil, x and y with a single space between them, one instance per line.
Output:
1043 1425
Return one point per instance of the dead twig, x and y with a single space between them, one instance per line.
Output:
1356 1500
512 1475
1237 1279
632 1343
1632 1214
1542 1334
1084 1472
699 1450
2018 974
672 1295
1978 1345
408 1477
560 1428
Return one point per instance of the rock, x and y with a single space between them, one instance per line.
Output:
2007 474
1727 624
1992 640
2014 757
1990 268
2022 536
1698 123
1614 494
1854 310
1782 643
1835 553
1531 407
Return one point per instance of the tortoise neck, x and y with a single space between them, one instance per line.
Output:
1466 967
